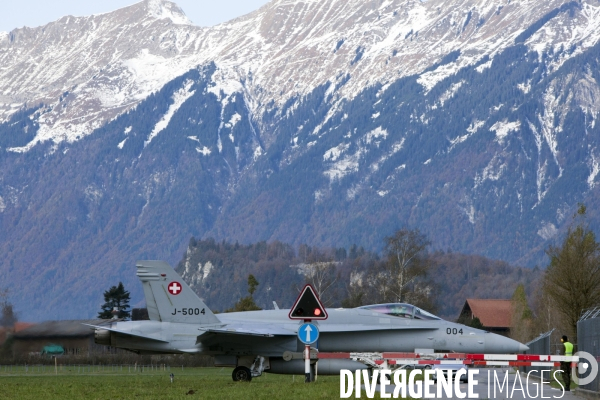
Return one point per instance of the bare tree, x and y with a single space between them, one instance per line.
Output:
407 261
522 317
321 275
356 290
422 293
363 285
320 270
546 314
572 279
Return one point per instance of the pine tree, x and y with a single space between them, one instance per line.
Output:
247 303
117 297
252 284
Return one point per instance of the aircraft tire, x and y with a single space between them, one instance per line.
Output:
241 374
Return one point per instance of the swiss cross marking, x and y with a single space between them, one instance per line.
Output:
174 288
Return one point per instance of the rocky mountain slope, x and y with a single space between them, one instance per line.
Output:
323 122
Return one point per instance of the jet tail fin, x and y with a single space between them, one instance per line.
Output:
169 298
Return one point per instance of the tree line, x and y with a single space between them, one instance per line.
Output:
407 271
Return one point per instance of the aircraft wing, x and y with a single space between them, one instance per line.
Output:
273 330
128 333
266 331
380 327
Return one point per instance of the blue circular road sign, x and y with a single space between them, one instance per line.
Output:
308 333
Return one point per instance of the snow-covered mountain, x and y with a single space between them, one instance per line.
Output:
328 122
91 69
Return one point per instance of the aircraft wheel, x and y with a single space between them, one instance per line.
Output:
241 374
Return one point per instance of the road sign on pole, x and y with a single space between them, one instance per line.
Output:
308 333
308 306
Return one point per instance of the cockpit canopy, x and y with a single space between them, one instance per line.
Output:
401 310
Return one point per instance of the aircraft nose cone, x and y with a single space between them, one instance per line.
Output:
496 344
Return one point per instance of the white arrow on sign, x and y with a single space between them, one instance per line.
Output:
308 330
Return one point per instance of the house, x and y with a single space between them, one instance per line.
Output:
494 314
73 336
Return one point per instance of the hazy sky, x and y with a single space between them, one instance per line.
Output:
32 13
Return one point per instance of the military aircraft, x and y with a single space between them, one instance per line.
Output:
257 341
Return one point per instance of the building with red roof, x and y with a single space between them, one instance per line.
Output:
495 314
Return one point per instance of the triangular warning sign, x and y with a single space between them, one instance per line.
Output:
308 305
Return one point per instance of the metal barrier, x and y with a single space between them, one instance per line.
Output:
539 345
385 360
588 340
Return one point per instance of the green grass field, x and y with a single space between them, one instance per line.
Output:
41 383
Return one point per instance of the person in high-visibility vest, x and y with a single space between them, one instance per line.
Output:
566 365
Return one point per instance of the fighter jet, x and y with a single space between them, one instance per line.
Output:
254 342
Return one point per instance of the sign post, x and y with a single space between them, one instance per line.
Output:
307 333
308 307
307 364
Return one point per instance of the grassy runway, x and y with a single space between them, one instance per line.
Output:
113 383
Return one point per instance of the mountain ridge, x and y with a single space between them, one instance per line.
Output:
248 49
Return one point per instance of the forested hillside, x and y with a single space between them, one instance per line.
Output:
218 272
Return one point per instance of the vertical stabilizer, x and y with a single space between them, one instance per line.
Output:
169 298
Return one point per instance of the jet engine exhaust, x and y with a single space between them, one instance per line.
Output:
102 336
